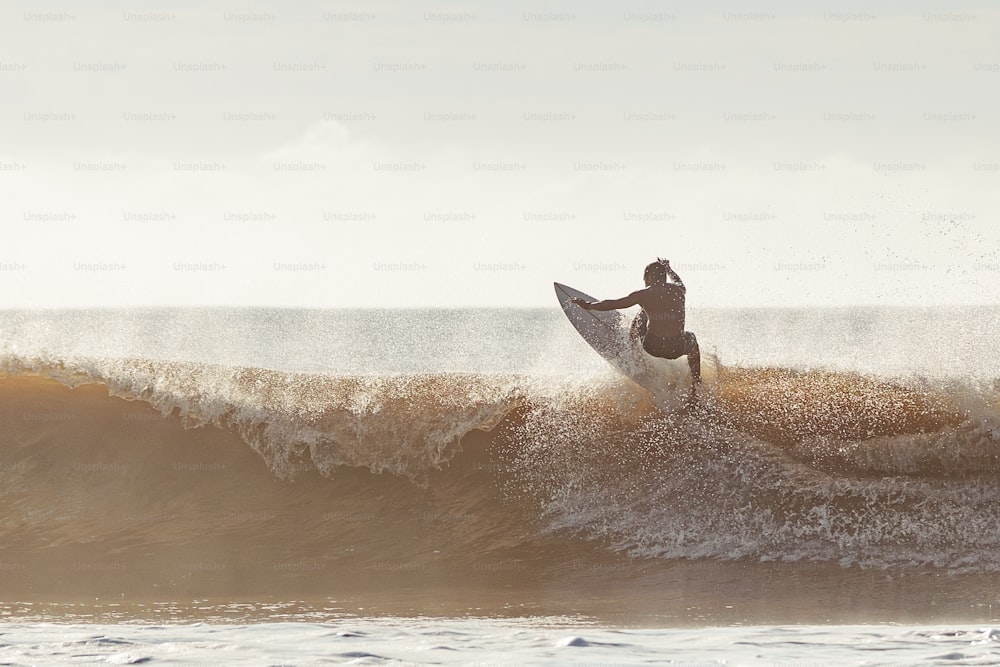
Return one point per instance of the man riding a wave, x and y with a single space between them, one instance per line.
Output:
660 325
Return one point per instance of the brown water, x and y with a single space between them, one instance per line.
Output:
150 488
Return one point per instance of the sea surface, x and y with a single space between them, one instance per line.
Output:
277 486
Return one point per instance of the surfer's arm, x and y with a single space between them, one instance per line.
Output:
674 278
610 304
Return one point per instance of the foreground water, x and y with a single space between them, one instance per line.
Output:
485 641
484 477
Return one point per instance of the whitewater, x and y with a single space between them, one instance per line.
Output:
483 473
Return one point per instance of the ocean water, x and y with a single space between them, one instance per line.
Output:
486 641
478 486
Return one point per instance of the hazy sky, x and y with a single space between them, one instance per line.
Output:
396 153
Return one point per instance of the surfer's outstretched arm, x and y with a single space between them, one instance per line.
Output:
610 304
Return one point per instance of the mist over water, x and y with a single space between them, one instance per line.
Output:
956 342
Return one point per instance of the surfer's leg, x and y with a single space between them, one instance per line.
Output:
693 353
639 326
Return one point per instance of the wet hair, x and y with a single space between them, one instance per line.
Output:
656 272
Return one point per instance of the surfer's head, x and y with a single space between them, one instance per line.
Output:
655 273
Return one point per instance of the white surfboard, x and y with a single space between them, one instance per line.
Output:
608 333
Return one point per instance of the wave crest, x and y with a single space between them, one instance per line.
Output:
400 424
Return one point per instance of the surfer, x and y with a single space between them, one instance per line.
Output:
660 325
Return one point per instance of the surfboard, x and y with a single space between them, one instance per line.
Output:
608 333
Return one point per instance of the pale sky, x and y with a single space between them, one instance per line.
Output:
389 153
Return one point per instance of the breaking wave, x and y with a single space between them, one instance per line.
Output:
291 475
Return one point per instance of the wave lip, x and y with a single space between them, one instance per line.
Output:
400 424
